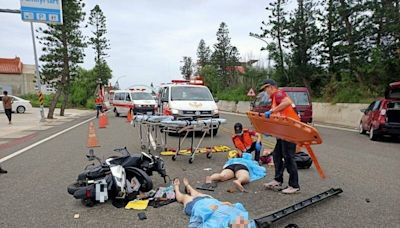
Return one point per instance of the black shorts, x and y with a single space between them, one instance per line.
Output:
237 167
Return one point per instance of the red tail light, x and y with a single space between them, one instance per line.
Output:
382 116
88 193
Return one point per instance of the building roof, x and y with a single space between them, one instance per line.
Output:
10 66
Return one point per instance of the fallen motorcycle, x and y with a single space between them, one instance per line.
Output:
118 177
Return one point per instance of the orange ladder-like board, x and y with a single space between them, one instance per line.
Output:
289 130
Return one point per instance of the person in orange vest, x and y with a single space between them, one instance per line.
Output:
284 152
99 105
242 139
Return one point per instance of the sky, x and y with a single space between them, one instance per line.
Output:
148 38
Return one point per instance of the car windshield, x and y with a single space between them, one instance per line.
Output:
141 96
299 98
190 93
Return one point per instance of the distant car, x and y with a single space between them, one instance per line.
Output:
19 105
299 95
382 117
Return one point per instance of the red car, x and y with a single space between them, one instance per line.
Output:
382 117
299 95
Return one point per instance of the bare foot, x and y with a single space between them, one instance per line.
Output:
239 186
186 183
208 179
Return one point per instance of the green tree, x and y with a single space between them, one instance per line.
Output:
276 28
203 54
100 43
63 50
187 68
225 55
303 38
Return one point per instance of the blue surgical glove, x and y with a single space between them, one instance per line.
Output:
267 114
258 146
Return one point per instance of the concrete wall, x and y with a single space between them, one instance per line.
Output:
348 115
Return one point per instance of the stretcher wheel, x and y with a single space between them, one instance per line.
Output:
209 155
174 158
191 160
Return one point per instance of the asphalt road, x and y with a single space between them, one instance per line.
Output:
33 193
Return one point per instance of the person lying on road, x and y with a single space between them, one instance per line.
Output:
205 211
243 169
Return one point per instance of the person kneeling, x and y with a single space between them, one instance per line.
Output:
243 169
205 211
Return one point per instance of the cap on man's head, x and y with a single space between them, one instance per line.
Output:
268 82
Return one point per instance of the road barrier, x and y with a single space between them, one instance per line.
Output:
343 114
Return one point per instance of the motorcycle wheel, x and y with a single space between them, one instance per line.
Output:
88 202
146 184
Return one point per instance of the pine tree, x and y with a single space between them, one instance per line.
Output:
203 54
187 68
276 28
63 50
100 43
225 56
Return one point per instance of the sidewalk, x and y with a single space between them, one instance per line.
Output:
24 125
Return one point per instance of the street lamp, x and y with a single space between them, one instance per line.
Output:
116 82
262 49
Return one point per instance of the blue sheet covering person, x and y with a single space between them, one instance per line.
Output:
205 211
244 169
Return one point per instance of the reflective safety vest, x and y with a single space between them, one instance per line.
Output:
99 101
244 141
288 111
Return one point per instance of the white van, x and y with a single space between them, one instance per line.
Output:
185 99
139 101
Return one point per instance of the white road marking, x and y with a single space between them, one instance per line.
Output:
317 125
42 141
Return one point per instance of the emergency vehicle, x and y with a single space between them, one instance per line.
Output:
136 99
187 99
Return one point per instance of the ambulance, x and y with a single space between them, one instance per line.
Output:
136 99
187 99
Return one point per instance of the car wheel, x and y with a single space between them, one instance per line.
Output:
372 135
361 129
20 109
214 132
116 112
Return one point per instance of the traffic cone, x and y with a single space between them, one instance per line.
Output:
129 116
92 139
102 121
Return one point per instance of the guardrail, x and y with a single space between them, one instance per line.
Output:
343 114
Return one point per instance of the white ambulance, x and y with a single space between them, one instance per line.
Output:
187 100
137 100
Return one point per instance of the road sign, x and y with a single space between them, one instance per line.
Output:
251 93
45 11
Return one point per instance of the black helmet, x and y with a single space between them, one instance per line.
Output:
238 128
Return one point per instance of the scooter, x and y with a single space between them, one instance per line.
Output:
114 176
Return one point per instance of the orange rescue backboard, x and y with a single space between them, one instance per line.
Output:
289 130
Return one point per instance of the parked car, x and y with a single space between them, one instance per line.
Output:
140 102
382 117
19 105
299 95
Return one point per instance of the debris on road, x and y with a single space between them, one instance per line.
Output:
76 216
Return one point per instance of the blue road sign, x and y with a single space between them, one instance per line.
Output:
45 11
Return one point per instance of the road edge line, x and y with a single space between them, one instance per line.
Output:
16 153
318 125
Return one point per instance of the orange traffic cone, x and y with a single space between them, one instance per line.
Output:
129 116
92 139
102 121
